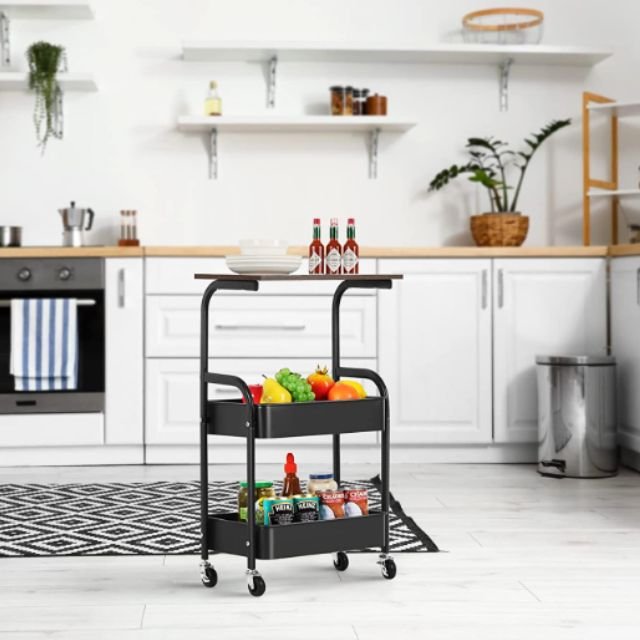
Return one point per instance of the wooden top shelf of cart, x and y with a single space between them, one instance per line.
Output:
271 277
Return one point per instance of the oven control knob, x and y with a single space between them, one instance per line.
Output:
64 273
24 274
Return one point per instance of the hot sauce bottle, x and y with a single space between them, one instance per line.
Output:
333 253
351 250
316 251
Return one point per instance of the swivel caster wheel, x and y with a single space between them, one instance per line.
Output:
209 576
256 585
388 568
341 561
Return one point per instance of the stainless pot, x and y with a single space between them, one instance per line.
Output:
10 236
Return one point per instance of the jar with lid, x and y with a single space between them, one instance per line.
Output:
262 490
348 101
360 101
337 100
321 482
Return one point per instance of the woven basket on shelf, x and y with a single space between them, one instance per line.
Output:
499 229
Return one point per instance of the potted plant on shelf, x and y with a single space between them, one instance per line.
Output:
504 225
45 61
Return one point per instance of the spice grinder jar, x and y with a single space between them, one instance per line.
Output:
10 236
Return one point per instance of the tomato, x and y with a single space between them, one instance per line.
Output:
320 382
342 391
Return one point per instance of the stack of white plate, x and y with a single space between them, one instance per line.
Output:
263 257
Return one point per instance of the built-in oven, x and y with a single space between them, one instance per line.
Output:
79 278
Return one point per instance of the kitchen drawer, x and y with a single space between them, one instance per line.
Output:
273 326
46 430
175 275
172 396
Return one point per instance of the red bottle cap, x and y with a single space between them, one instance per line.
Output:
316 221
290 466
351 221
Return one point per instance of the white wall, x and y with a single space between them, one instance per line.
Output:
122 149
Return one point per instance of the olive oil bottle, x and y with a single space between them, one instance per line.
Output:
213 103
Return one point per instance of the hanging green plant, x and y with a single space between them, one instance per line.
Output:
45 61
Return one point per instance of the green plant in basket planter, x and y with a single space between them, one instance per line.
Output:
490 162
45 61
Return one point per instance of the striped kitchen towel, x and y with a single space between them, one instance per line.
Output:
44 344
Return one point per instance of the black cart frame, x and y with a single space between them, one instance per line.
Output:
224 532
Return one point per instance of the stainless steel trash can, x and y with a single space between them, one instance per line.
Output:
577 416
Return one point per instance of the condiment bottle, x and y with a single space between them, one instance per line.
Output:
351 250
316 250
213 103
333 252
291 484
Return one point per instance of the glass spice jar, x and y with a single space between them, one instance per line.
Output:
357 102
337 100
348 101
364 94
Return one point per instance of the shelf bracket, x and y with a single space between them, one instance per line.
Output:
5 43
213 154
505 71
271 82
374 137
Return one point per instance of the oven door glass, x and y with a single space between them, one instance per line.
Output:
89 394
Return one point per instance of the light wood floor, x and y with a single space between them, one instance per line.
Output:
525 557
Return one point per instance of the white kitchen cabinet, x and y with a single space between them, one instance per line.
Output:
625 346
541 307
124 388
260 326
172 395
435 350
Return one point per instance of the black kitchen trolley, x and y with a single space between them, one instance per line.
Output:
224 532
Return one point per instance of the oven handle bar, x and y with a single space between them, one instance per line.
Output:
81 302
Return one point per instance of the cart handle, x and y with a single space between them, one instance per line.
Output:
231 381
383 283
206 375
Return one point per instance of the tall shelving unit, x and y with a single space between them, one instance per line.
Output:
593 103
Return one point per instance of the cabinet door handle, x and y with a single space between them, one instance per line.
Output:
500 289
260 327
121 288
485 288
638 286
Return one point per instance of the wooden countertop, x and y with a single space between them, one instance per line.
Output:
219 251
402 252
624 250
71 252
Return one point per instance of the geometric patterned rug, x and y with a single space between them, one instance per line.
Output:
139 518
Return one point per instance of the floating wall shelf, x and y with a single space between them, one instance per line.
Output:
309 124
47 9
37 10
504 56
19 81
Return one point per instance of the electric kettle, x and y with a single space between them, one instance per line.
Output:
73 224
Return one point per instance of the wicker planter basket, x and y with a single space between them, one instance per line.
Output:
499 229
